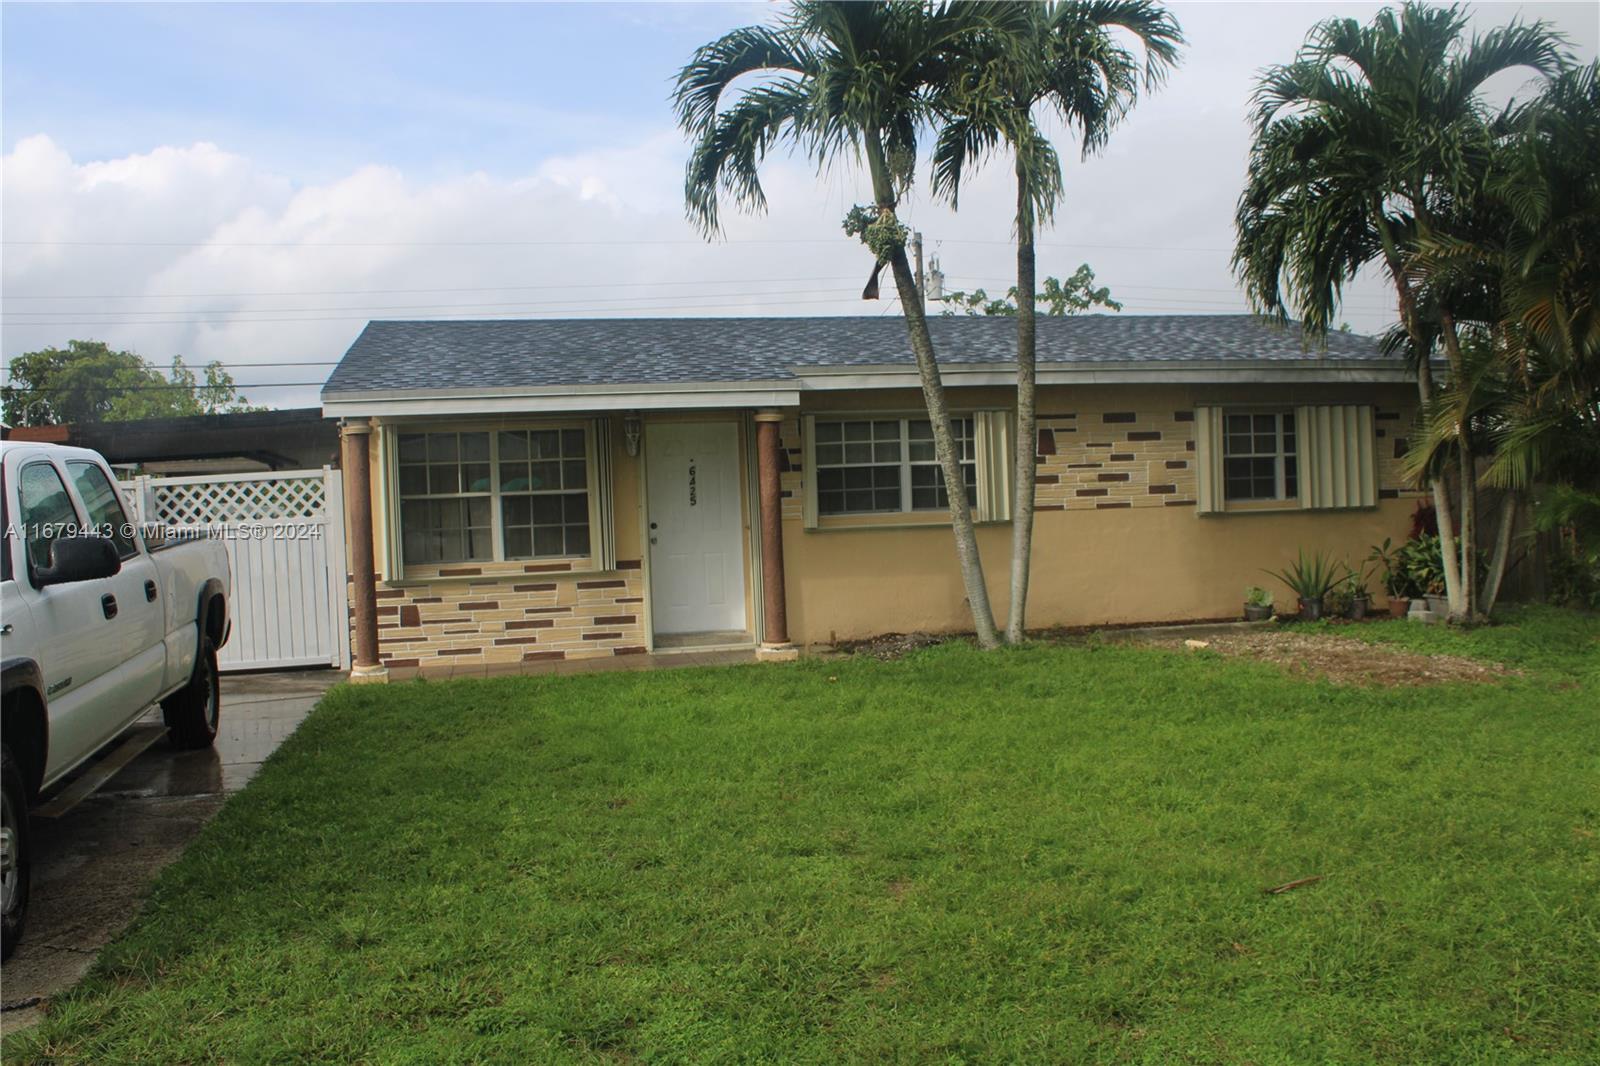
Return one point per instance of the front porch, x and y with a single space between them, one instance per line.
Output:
504 545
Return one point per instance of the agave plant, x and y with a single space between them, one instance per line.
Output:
1310 577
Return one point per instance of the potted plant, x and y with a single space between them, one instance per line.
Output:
1257 604
1426 571
1392 570
1310 578
1357 598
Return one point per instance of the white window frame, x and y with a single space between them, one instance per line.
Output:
1279 455
396 498
905 462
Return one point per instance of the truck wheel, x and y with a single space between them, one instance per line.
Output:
16 853
192 712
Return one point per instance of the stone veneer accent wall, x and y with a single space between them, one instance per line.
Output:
510 613
1099 458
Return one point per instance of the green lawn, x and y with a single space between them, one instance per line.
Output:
1047 854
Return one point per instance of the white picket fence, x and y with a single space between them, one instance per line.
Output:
284 533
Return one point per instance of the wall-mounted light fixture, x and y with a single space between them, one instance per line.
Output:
631 429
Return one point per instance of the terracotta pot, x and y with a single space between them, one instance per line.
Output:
1398 606
1311 609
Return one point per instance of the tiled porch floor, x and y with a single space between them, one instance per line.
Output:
659 661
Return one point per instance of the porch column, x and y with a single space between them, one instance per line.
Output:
775 612
354 435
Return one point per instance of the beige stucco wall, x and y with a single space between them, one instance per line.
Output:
1116 539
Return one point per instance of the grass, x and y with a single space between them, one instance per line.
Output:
1047 854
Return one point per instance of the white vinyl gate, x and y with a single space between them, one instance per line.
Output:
284 533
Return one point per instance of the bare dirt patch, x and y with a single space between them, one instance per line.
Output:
1344 661
891 646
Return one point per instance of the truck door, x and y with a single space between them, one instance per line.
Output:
140 623
79 649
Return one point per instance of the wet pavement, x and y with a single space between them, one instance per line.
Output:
94 864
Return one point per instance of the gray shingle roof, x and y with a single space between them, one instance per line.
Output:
441 355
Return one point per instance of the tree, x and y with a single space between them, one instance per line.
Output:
1525 249
840 80
1363 147
1065 59
1071 297
89 382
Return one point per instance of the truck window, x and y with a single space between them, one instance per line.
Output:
105 506
44 510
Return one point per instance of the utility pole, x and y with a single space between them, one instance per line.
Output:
916 253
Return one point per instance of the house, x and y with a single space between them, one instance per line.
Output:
532 490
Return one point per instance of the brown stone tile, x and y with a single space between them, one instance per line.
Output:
1092 492
616 583
545 568
1122 457
547 610
542 656
1084 466
1049 507
410 615
1145 434
532 623
1118 416
1112 477
1163 490
543 586
459 651
501 642
1047 479
616 620
630 564
1112 506
1183 416
394 663
479 605
1180 503
1047 442
602 636
461 571
635 649
1177 464
386 594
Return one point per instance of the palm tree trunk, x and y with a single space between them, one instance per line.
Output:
938 412
1027 445
1465 608
1441 492
1509 506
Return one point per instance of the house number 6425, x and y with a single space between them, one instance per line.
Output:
693 497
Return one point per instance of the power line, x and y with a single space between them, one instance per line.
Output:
400 292
563 285
311 245
781 293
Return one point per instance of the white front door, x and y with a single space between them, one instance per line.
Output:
696 536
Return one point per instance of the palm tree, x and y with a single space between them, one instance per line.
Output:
1363 145
1528 249
839 80
1064 58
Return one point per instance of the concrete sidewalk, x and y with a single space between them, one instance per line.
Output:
94 864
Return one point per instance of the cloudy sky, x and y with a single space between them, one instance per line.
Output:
252 183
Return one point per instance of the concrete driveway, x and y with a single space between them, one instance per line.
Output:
94 864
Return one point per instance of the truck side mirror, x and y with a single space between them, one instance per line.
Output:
81 558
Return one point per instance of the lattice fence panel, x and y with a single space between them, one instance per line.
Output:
221 502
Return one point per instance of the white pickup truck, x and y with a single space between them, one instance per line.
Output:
96 624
